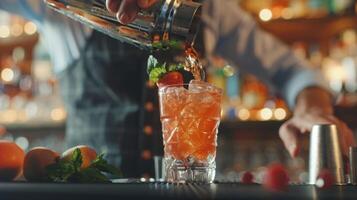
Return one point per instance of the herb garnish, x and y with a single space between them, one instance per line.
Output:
70 171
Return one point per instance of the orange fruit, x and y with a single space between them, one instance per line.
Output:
11 160
36 161
88 155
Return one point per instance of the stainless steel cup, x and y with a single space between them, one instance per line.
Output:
353 165
326 153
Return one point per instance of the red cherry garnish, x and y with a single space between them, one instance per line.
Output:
325 179
171 78
276 178
247 178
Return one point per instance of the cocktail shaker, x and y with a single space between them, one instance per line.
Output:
326 153
167 20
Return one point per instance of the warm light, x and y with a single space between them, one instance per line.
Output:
223 113
41 70
334 73
10 116
287 13
349 37
228 70
7 75
4 31
58 114
333 70
265 14
146 155
279 114
266 114
243 114
22 116
16 30
148 130
30 28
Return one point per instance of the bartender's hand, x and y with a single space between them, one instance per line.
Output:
127 10
313 106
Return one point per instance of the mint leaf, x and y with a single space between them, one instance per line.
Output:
152 63
157 45
90 175
168 44
154 69
175 44
173 68
70 171
101 164
156 73
77 159
63 171
60 171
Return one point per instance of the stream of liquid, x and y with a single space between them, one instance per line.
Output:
193 64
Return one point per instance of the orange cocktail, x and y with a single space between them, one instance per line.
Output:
190 116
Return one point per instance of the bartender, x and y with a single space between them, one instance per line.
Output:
103 81
232 34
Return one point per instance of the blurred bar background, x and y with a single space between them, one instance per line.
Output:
322 31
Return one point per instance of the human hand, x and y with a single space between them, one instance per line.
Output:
313 107
126 10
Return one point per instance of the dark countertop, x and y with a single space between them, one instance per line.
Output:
34 191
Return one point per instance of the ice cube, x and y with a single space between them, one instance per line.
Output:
196 86
176 96
174 90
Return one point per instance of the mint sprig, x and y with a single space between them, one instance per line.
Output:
77 159
157 70
101 164
60 171
70 171
168 45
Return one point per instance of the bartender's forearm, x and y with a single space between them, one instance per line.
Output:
313 106
314 99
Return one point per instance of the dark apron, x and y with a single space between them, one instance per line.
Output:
105 92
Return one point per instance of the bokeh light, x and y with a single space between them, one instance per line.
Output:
7 75
4 31
266 114
243 114
279 114
265 14
16 30
30 28
58 114
287 13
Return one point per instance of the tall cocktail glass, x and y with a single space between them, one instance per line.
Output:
190 116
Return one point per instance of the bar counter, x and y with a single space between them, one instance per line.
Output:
134 190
